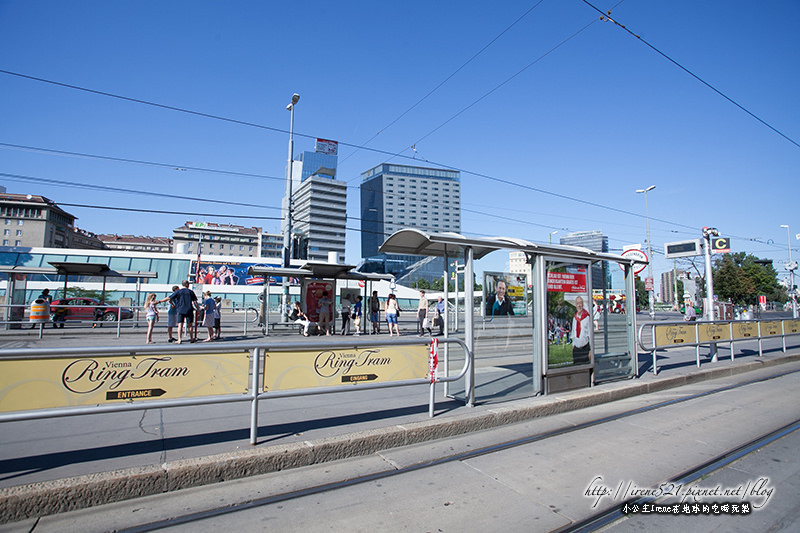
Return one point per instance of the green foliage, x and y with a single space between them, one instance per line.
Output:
642 297
80 292
741 278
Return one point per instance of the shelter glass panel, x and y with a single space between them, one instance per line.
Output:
610 317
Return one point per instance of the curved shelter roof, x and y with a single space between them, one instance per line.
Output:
417 242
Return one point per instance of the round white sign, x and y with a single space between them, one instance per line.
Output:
635 254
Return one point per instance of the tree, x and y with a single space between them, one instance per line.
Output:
642 297
741 278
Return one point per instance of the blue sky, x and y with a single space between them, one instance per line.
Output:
564 142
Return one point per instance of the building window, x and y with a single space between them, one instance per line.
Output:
18 243
19 233
8 222
5 242
19 222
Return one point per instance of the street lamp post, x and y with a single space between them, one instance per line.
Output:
287 235
651 293
550 237
792 267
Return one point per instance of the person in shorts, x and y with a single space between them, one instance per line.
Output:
185 301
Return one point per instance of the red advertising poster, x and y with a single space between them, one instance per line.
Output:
566 281
314 292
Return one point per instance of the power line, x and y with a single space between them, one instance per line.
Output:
136 161
448 78
62 183
607 16
384 152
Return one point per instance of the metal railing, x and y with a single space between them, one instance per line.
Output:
665 335
253 395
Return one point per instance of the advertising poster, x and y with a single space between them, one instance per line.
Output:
230 273
314 291
504 294
569 315
103 380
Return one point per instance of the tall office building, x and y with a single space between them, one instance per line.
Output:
394 197
319 204
597 242
668 279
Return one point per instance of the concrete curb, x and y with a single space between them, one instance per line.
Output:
68 494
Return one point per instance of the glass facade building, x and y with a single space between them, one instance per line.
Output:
597 242
394 197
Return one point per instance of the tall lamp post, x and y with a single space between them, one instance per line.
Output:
649 252
792 267
550 237
287 235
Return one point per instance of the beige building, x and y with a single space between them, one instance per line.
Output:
31 221
137 243
226 239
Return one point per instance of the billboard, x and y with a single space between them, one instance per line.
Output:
325 146
569 320
229 273
504 294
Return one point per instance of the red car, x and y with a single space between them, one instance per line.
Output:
87 309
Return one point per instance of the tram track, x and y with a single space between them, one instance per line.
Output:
590 523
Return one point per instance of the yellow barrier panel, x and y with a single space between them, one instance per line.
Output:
771 328
745 330
334 367
713 332
670 335
52 383
792 326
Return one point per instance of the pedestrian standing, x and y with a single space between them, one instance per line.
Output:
346 315
422 314
375 312
218 318
172 315
209 317
185 301
324 311
357 312
151 315
392 312
441 307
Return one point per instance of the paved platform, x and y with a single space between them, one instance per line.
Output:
53 465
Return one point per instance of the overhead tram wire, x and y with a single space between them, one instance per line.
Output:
173 166
384 152
607 16
507 80
448 78
62 183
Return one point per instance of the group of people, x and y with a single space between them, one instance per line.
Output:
353 312
186 312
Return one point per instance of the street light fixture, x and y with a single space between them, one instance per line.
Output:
287 236
550 236
791 266
651 293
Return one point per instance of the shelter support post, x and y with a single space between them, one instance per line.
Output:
255 355
469 323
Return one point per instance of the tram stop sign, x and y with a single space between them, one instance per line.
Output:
637 255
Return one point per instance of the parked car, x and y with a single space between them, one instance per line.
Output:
87 309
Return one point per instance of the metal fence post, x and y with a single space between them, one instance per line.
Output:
255 355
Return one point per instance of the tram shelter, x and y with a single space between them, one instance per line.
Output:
18 278
560 285
314 277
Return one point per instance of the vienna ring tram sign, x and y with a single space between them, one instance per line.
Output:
97 380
